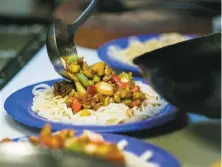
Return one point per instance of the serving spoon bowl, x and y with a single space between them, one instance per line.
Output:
59 40
187 74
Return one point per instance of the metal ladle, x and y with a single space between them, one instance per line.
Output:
59 40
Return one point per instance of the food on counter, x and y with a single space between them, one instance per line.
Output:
136 47
89 143
97 95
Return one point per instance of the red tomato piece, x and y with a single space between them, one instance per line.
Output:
135 103
91 90
121 84
136 89
76 105
116 78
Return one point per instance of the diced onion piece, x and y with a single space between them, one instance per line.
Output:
94 137
105 88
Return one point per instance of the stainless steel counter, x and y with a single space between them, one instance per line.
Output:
194 144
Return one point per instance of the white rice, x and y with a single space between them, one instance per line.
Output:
46 105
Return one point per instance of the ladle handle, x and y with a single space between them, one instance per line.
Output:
85 15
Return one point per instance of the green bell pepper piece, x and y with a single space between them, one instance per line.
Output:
80 89
84 80
72 58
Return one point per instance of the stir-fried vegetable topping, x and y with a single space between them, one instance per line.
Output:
97 85
87 143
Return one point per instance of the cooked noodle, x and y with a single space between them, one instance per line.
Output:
132 160
54 108
136 47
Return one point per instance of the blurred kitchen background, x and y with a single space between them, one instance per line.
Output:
23 23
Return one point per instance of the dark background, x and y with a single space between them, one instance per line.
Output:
23 24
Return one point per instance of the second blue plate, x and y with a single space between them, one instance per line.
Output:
123 43
160 157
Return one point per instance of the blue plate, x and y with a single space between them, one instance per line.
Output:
160 156
18 106
118 65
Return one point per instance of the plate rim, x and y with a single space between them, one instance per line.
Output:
147 146
36 122
115 63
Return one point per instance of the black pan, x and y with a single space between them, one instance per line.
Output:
187 74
